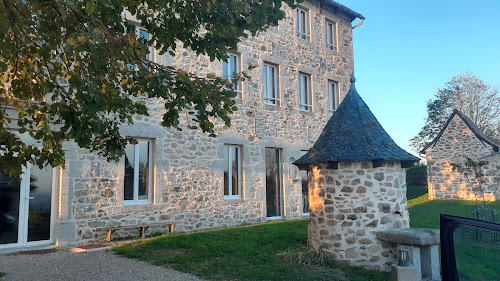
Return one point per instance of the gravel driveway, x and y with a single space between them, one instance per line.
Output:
95 265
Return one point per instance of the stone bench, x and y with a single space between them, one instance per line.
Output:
422 245
140 227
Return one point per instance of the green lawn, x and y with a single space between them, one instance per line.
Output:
240 253
251 252
476 260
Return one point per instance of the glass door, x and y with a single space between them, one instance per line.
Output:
274 191
26 208
39 204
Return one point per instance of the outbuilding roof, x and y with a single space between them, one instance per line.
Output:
353 134
472 126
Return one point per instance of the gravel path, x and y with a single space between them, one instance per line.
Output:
96 265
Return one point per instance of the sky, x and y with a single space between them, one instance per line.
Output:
407 49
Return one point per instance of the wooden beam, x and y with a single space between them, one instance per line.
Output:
377 163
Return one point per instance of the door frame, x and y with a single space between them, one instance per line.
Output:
22 235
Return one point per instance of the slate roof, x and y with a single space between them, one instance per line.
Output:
354 134
472 126
336 7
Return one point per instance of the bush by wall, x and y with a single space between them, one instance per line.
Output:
417 175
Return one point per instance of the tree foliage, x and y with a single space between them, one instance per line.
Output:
75 69
469 94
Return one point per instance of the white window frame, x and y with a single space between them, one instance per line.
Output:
229 160
331 35
333 96
136 200
271 84
305 96
236 67
302 23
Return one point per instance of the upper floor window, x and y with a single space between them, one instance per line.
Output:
303 23
331 35
305 98
144 36
333 96
230 69
232 172
138 179
271 84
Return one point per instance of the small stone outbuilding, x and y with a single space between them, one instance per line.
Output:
458 139
357 186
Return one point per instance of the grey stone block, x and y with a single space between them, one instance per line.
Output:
410 236
404 273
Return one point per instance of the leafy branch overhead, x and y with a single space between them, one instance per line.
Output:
75 70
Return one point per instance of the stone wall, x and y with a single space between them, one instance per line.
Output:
456 144
188 165
350 204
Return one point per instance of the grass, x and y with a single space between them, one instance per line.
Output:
2 274
476 260
241 253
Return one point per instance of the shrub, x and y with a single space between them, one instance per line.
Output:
417 175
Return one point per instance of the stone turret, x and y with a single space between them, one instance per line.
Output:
357 186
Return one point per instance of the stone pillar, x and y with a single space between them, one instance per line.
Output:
350 204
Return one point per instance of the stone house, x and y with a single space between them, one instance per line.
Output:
299 74
458 139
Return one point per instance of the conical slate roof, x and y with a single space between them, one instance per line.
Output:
353 134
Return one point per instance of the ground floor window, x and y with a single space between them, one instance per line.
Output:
137 183
232 172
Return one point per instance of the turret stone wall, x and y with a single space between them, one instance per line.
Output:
188 165
350 204
457 143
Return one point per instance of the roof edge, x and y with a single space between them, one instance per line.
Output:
339 7
471 127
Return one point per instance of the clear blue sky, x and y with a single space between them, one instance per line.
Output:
406 50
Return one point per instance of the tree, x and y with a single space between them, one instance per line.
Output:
75 69
469 94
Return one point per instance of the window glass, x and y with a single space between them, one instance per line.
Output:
271 84
302 24
232 172
229 69
129 172
137 181
331 35
305 92
333 96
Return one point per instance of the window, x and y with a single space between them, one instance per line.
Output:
305 92
137 183
143 35
271 85
232 172
303 23
333 96
229 69
331 35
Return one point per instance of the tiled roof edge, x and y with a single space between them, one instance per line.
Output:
343 9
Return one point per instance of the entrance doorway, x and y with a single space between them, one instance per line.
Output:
274 186
26 208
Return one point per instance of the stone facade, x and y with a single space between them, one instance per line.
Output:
350 204
188 166
456 143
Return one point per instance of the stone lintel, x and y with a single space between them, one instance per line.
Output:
420 237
